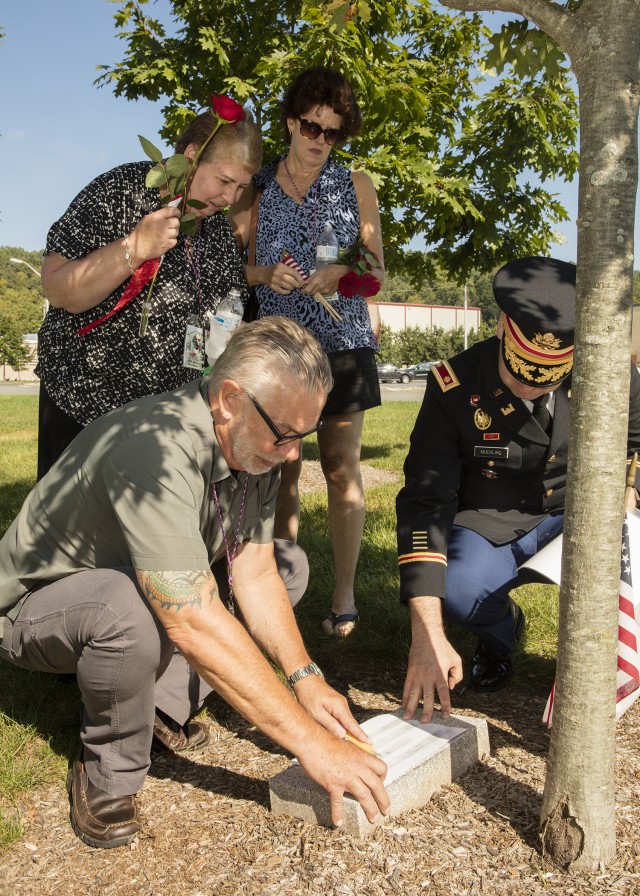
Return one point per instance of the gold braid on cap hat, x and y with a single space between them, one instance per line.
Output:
540 360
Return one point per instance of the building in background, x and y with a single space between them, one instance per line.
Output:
398 316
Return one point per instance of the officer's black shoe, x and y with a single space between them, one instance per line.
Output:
492 669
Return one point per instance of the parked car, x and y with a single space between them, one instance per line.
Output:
388 373
421 370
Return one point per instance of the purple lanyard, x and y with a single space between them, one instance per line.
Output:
231 552
192 258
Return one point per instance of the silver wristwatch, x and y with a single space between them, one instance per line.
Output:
311 669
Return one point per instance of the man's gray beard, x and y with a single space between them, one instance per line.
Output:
246 457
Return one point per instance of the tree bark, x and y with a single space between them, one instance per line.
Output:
602 40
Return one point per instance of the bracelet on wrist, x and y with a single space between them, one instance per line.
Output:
127 255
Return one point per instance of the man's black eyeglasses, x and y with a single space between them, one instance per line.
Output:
281 439
312 130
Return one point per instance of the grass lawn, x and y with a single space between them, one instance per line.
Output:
39 715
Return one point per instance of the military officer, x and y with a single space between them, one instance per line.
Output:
485 479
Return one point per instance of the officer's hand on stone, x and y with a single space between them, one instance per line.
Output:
434 666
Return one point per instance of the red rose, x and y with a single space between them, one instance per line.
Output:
349 284
368 286
226 109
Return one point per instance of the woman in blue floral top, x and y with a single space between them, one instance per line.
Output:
299 193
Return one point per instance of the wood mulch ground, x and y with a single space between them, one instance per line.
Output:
208 829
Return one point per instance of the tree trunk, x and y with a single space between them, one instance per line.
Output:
602 40
578 818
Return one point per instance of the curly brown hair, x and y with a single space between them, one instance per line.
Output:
322 87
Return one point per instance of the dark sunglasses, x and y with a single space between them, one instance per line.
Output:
312 130
280 438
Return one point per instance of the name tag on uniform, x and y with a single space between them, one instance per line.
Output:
489 451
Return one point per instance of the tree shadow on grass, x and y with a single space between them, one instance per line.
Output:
375 452
44 703
13 496
367 453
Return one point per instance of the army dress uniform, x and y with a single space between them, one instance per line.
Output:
484 482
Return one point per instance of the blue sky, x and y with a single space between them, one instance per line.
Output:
58 131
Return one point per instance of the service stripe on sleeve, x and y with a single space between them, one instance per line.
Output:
422 557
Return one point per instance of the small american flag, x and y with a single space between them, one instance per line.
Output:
628 677
628 631
290 262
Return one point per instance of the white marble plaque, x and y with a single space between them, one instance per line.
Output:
404 745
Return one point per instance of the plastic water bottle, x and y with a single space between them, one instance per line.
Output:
327 249
327 252
227 316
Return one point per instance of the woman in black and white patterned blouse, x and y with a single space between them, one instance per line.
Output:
114 225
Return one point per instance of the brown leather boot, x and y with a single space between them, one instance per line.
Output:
168 735
98 818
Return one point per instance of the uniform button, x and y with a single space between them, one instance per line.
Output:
551 459
548 492
491 463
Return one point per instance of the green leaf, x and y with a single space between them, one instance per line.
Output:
195 203
188 224
157 177
364 11
177 165
150 150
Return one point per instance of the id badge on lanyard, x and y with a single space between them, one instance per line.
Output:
193 353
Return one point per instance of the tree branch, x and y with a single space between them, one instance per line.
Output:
550 17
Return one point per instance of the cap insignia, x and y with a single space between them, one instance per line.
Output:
546 340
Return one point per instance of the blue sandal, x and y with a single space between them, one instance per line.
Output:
329 623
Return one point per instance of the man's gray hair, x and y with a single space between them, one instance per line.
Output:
270 351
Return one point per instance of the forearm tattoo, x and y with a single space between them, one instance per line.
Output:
177 589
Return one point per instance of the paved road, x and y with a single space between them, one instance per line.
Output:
19 388
403 391
390 391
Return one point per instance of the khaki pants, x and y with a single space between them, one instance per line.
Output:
98 624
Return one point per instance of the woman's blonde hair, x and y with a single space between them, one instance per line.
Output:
240 141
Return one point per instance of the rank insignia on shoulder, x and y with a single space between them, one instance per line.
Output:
445 376
508 410
481 419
